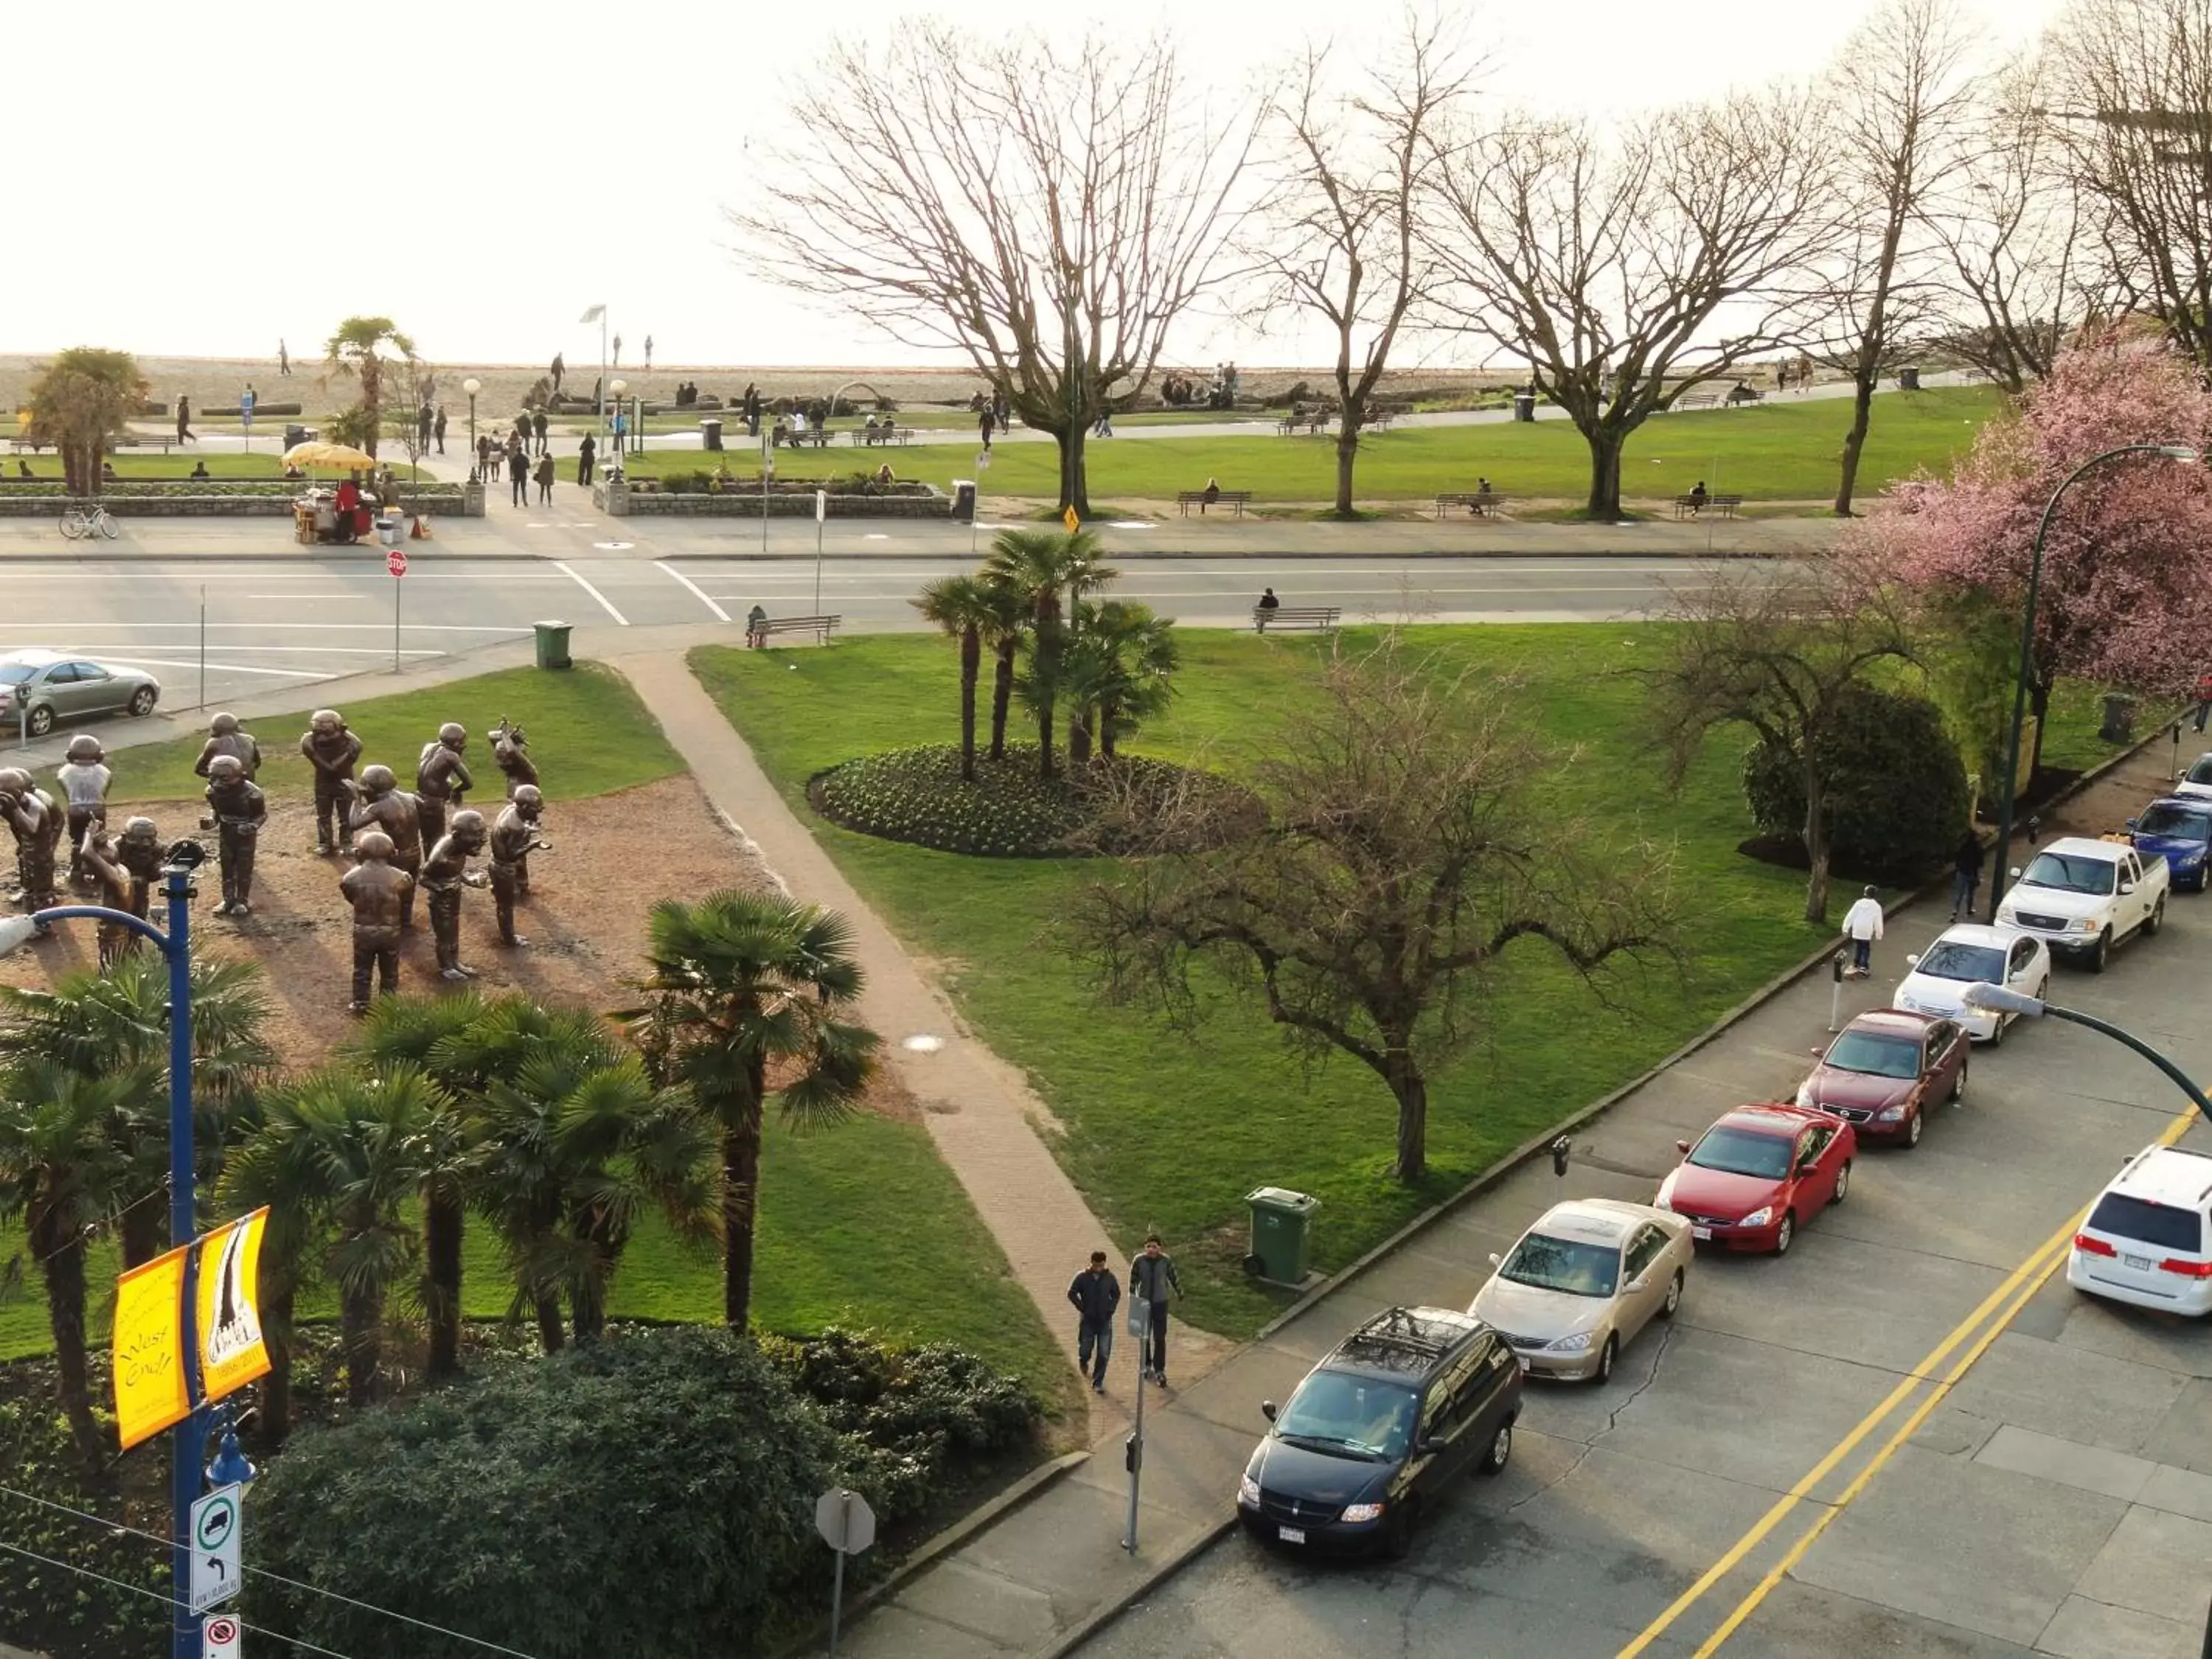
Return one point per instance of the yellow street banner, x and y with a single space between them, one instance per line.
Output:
1073 519
228 1311
149 1347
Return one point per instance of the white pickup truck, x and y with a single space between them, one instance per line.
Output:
2081 897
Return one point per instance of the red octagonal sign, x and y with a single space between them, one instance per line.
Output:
396 561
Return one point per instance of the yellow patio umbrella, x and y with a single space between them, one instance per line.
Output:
342 456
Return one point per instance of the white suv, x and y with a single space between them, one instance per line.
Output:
2146 1241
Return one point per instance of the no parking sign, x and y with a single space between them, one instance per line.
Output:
221 1638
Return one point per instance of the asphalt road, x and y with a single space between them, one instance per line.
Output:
270 621
1783 1474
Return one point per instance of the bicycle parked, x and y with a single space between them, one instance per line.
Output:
88 519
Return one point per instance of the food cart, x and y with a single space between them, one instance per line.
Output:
316 518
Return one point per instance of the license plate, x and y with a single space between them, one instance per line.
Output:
1701 1232
1523 1358
2141 1264
1290 1535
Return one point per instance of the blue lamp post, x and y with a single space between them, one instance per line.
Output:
188 1439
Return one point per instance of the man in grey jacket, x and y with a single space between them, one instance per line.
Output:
1152 1276
1095 1293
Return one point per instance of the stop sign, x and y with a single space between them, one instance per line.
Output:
396 561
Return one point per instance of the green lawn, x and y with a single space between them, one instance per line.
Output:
1784 452
264 463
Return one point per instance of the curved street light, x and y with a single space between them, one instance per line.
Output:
472 385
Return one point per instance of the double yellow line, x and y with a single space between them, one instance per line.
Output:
1996 1312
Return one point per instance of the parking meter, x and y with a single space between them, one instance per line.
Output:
1561 1149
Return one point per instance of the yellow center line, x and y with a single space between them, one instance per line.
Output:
1922 1372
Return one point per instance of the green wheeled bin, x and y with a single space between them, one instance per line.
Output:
1282 1234
553 644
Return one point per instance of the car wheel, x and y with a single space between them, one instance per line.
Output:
1786 1233
2102 954
1997 1035
1606 1356
1913 1128
1501 1450
141 701
1398 1530
1674 1296
1959 1082
41 720
2157 920
1842 1183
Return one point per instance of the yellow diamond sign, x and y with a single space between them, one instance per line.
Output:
1073 519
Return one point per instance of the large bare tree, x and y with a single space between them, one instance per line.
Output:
1046 210
1901 98
1338 236
1625 271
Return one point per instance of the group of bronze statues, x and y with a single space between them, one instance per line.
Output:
401 839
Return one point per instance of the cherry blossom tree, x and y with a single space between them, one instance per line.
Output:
2126 594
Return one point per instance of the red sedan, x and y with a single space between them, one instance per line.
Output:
1886 1069
1760 1174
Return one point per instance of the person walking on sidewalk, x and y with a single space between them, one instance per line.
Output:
518 472
587 453
538 426
1152 1276
438 428
184 420
545 480
1093 1294
1862 927
1965 874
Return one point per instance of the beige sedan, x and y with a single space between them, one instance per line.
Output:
1583 1282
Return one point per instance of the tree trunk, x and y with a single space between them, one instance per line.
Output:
1108 712
1854 441
63 1266
2038 704
1604 447
276 1386
1074 486
442 1222
552 1337
1347 451
1816 845
143 1229
741 1156
971 664
1078 739
1411 1090
589 1300
1002 695
361 1334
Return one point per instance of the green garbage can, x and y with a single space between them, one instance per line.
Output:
553 644
1282 1234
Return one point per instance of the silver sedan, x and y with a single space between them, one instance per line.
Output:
1582 1282
39 688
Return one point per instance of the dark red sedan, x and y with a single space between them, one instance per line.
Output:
1760 1174
1886 1070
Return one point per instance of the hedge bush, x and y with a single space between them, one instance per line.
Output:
1897 792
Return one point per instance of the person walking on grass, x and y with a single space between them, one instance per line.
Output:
1152 1276
985 423
1965 875
1093 1294
1862 927
545 479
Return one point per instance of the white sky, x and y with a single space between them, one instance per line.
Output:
514 164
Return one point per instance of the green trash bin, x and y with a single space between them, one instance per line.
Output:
553 644
1282 1234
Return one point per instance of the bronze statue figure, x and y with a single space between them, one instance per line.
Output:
84 779
331 749
444 874
382 804
512 839
140 854
225 739
240 811
37 823
441 778
380 896
115 881
512 751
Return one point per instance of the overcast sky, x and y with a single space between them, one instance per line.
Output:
483 173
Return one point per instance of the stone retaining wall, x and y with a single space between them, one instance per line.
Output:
452 501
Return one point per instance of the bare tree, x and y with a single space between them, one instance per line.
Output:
1045 212
1338 234
1611 268
1783 657
1393 850
2131 104
1902 97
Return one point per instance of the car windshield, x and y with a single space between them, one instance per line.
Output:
1741 1152
2070 872
15 673
1949 959
1355 1416
1877 1056
1572 1265
2201 772
2176 821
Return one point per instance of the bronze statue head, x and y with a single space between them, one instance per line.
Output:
454 735
374 846
528 801
14 781
223 726
326 722
140 829
466 827
226 769
85 751
378 780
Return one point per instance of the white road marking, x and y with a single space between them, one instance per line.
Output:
113 624
295 650
593 591
698 593
319 598
218 667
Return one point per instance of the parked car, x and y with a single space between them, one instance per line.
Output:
1408 1403
1960 957
1582 1282
2145 1240
2081 897
46 686
2177 829
1760 1174
2197 779
1885 1069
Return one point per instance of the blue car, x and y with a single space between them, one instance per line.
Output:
2178 828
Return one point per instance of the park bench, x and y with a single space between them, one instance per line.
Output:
1688 507
1319 617
1380 421
1481 503
1290 424
882 434
756 634
814 437
1745 394
126 440
1698 400
1203 499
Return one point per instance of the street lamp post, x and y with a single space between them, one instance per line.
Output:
188 1439
2171 452
618 387
472 385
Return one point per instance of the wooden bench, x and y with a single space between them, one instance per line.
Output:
1698 400
814 437
1290 424
1481 503
882 434
1689 506
1203 499
1380 421
756 634
1745 394
126 440
1322 618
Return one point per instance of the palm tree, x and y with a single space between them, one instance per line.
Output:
1044 565
1007 620
80 399
355 351
1139 650
963 607
742 985
61 1172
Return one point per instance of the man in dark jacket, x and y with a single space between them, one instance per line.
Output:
1095 1294
1966 875
1152 1276
587 453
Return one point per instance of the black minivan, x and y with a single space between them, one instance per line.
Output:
1408 1401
